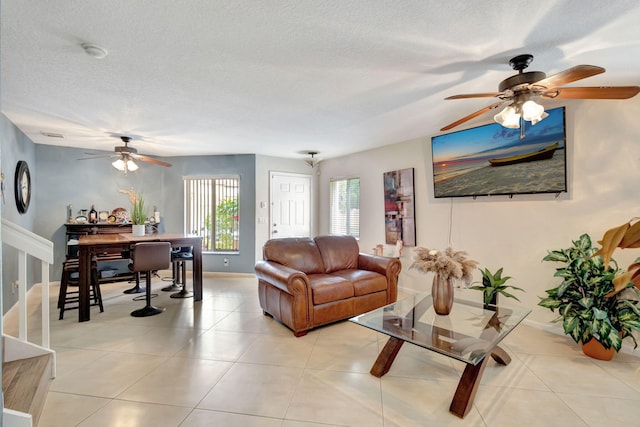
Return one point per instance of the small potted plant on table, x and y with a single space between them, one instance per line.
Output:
138 215
494 284
593 311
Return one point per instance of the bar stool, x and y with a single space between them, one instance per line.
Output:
175 276
147 257
70 277
179 260
137 289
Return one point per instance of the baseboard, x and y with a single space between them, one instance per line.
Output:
11 418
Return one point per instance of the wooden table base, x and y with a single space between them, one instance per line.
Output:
469 382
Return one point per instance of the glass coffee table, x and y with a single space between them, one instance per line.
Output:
469 333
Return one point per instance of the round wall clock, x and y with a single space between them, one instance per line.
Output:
22 186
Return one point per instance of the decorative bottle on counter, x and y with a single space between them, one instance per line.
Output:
93 215
156 215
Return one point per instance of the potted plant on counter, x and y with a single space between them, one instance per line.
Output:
592 311
138 215
494 284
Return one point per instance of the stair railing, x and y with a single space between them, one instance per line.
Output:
30 244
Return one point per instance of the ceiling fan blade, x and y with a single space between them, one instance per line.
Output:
150 160
94 157
569 75
475 95
603 92
473 115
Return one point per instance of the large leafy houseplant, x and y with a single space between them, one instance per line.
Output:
588 304
624 236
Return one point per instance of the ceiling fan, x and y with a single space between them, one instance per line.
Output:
125 156
518 91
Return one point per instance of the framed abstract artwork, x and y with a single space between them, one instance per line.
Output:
399 207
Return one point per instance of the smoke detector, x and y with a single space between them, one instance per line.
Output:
94 51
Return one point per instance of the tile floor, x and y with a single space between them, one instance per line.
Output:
223 363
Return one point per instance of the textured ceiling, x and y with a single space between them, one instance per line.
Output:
285 77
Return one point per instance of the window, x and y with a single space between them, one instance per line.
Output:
345 207
211 212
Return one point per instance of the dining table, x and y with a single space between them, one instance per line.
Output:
91 245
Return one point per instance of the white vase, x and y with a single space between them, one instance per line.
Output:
137 230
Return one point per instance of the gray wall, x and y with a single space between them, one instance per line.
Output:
60 179
16 146
82 183
172 207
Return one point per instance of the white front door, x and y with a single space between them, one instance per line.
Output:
290 214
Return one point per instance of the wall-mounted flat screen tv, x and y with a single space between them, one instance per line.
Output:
494 160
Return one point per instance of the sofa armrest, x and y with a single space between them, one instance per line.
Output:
388 267
285 278
379 264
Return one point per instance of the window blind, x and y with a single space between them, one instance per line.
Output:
345 207
211 212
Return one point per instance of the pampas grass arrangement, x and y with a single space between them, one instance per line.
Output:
447 263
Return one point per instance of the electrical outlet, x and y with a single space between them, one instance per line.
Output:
226 262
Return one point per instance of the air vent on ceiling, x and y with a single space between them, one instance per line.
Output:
52 135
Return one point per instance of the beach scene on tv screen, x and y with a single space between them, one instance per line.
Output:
493 160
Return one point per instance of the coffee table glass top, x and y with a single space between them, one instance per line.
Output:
467 333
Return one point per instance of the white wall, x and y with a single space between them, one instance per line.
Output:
265 165
603 155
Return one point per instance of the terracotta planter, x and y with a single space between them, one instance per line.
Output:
593 348
442 293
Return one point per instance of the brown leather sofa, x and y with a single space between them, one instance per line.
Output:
305 283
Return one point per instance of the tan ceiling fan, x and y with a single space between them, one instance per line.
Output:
125 156
519 90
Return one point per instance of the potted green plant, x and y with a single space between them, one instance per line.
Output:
138 215
494 284
592 311
624 236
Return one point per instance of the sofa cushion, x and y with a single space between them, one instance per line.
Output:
364 282
299 253
338 252
327 288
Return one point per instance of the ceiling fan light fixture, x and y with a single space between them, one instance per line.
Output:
131 165
508 118
125 165
533 112
521 87
118 164
312 161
